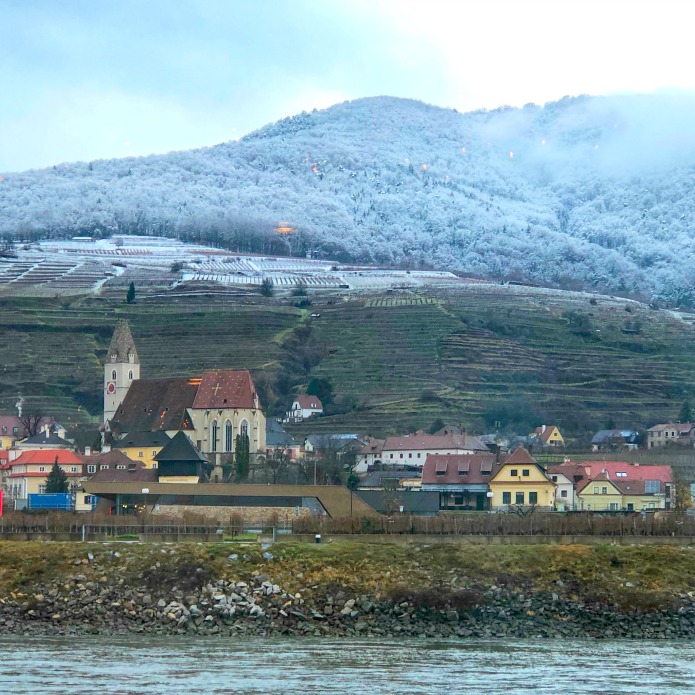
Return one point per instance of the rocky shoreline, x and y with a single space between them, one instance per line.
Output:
113 592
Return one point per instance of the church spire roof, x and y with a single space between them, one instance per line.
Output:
122 344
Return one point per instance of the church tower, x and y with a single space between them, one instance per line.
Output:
122 367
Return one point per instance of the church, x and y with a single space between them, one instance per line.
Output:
211 409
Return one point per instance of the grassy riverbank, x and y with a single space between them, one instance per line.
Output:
346 588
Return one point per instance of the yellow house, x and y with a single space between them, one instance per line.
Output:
143 446
521 482
549 435
605 495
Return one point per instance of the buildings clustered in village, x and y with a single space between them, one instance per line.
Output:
185 429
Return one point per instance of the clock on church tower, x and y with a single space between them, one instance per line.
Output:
111 388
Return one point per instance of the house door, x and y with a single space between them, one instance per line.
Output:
480 501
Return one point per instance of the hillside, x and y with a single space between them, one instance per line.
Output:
585 192
475 355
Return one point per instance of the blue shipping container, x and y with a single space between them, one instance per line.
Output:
51 500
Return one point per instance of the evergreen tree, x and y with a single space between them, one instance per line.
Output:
322 388
130 297
267 287
242 456
57 480
685 415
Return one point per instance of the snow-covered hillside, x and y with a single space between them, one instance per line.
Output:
590 191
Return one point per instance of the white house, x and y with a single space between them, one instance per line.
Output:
566 492
304 407
412 450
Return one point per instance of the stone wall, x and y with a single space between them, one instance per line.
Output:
231 515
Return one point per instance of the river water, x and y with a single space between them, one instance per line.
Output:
130 665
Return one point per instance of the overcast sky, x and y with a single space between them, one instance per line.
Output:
90 79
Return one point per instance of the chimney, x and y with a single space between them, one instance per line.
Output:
105 449
542 429
88 451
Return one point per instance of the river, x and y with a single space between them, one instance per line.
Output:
134 665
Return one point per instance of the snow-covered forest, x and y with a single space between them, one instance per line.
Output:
594 192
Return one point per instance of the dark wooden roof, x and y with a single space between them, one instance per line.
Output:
180 448
156 404
146 440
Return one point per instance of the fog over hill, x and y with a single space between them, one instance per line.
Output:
589 191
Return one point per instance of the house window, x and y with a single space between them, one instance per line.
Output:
514 473
213 436
120 466
140 454
88 499
506 498
154 453
42 469
401 455
113 375
15 430
91 468
154 464
104 467
441 472
525 472
519 498
42 489
410 456
228 436
418 455
73 469
614 506
390 455
652 487
604 490
554 478
533 498
595 490
630 507
563 493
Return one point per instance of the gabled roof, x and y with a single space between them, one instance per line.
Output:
147 440
156 404
423 442
275 435
520 457
122 344
591 469
180 448
135 472
544 431
226 388
309 402
683 428
46 457
46 439
606 435
458 469
111 459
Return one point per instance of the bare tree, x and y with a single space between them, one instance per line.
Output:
31 421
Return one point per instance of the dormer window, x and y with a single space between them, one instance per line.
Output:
131 357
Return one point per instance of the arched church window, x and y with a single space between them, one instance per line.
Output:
244 428
213 436
130 375
228 436
113 375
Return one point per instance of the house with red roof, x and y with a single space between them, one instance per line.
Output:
412 450
460 479
28 474
618 485
304 407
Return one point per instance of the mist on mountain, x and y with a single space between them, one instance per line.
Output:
590 192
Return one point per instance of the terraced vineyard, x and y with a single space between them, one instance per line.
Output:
396 360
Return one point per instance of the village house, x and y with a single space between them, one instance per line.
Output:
565 491
304 407
142 446
613 440
28 474
680 433
522 482
413 449
460 479
13 430
619 486
548 435
278 440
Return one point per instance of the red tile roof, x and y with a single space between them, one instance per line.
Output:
419 441
34 474
592 469
309 402
453 465
226 388
47 457
544 431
